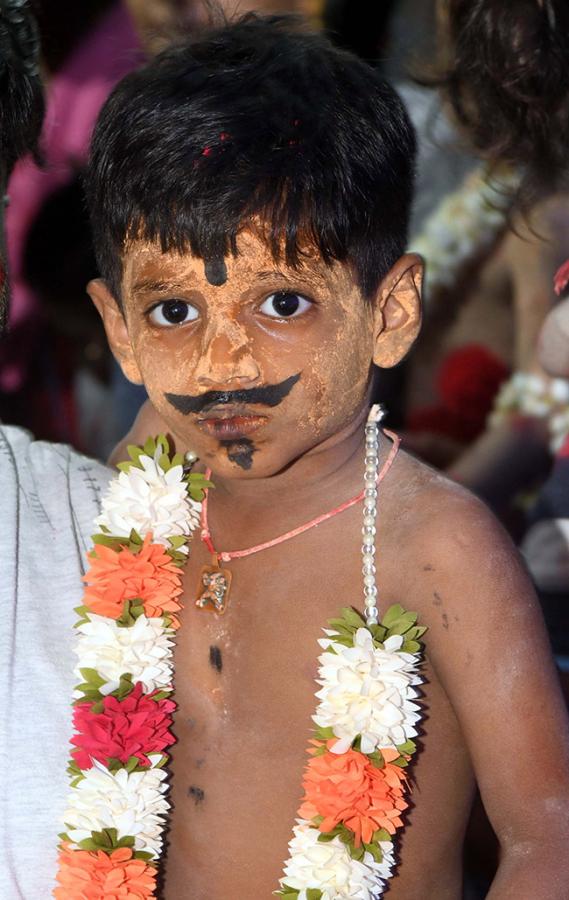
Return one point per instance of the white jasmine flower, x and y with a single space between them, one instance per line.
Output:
329 867
368 691
132 803
144 650
149 499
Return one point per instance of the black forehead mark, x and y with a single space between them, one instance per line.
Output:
267 395
215 271
240 452
215 658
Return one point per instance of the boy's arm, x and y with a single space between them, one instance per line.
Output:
490 650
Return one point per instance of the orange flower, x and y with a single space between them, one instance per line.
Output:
149 575
99 876
348 788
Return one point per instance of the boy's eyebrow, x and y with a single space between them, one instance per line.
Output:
147 285
310 276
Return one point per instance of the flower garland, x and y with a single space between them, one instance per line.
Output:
531 394
463 225
366 718
355 782
117 808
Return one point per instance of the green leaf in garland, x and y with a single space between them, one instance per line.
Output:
164 462
343 640
82 613
324 734
162 443
143 854
352 618
393 613
131 764
106 840
378 633
377 759
357 852
382 835
409 747
197 484
313 894
92 677
375 851
132 609
161 695
149 446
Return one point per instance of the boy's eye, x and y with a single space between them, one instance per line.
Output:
173 312
285 305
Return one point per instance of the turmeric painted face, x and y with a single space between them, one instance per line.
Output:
255 368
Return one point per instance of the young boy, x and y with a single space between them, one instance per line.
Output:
250 194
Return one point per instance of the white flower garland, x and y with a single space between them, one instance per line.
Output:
331 867
465 223
368 691
531 394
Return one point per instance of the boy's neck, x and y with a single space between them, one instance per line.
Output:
338 459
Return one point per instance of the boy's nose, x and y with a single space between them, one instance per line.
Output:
224 361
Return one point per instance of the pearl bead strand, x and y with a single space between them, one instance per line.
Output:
370 514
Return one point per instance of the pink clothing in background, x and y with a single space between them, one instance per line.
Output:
74 98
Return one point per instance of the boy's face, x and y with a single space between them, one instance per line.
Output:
249 363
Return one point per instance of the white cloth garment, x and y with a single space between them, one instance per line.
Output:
49 498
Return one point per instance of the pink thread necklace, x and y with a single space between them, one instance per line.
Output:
215 582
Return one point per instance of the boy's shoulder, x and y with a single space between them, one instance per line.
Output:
454 552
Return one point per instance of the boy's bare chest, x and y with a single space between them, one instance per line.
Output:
245 686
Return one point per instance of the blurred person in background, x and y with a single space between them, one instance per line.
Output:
494 245
85 50
161 22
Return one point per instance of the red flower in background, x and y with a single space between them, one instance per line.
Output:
561 279
467 382
135 726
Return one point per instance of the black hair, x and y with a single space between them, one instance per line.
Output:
361 26
259 118
21 101
507 80
21 94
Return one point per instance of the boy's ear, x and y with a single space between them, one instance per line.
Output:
115 327
397 319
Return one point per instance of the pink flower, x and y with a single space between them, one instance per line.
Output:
561 279
135 726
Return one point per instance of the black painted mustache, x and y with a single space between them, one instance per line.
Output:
268 395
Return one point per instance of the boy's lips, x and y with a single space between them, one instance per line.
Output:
226 425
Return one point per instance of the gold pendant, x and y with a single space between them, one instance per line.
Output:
213 588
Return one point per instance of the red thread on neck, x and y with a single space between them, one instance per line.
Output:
228 555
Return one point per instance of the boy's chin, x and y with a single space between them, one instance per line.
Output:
244 462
